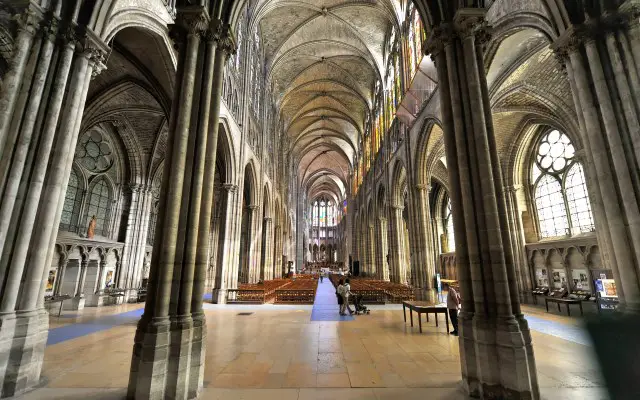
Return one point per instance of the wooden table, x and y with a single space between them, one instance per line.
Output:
58 299
568 302
424 307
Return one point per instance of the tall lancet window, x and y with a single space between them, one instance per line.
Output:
559 188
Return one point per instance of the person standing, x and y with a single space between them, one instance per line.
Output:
453 302
339 292
321 276
346 294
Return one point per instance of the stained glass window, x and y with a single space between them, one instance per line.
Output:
99 202
72 203
414 42
315 214
450 233
94 152
578 199
323 213
559 188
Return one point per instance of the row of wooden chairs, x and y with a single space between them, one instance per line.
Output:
376 290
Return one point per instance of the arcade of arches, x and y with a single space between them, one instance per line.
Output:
186 153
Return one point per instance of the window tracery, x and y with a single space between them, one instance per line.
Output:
559 188
95 158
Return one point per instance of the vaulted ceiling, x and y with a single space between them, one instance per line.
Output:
323 58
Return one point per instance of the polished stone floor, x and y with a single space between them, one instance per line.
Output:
289 352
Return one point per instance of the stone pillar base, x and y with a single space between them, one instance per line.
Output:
219 296
74 304
198 354
179 364
504 351
23 338
149 360
163 365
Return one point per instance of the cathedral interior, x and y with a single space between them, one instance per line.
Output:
185 185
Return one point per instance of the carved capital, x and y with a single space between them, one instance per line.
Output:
214 31
230 187
568 43
30 19
421 187
50 27
252 207
631 12
94 49
191 21
512 188
471 22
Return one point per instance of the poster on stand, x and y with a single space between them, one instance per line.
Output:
542 279
580 278
606 288
559 279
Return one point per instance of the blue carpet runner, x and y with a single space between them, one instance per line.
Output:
325 306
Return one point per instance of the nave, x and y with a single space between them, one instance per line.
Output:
203 156
305 352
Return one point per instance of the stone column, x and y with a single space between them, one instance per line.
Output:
40 111
424 254
224 267
495 342
396 244
268 249
79 299
517 240
101 268
277 250
62 268
601 58
252 244
135 241
382 253
215 74
172 322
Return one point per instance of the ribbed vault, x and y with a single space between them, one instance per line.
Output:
322 61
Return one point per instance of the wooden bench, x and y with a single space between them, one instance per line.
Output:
246 296
424 307
558 301
295 296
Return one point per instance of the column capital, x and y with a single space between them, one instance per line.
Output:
252 207
94 49
471 22
397 207
190 21
227 42
568 43
30 19
422 187
229 187
465 23
512 188
268 219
